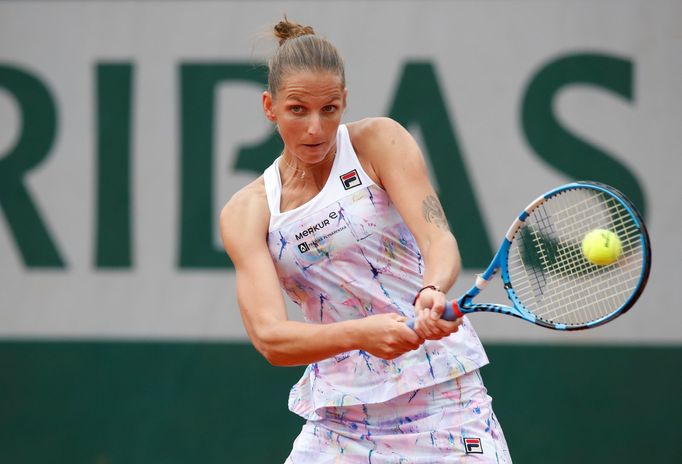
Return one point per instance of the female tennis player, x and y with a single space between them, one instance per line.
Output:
347 223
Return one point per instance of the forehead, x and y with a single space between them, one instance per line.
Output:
311 84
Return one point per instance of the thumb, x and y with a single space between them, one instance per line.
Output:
438 308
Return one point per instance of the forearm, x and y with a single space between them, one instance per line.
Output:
442 265
441 262
291 343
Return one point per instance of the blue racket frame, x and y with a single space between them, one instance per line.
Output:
465 305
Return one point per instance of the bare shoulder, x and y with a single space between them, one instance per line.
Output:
245 216
379 142
250 197
374 133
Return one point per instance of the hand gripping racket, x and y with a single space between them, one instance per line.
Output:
549 279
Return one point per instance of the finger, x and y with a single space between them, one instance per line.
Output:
447 326
411 336
425 323
410 340
423 334
416 341
419 330
428 328
438 328
438 308
412 346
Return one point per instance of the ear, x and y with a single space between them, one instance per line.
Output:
267 106
345 98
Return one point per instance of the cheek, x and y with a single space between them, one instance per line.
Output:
291 129
331 122
290 125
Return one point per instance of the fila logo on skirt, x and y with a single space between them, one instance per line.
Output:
473 446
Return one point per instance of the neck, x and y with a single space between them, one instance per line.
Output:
295 169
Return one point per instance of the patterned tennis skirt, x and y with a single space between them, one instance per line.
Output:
452 422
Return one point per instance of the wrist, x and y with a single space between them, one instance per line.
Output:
434 287
353 334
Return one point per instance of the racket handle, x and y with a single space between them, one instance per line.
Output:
450 313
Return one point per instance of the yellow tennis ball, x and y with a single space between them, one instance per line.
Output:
601 247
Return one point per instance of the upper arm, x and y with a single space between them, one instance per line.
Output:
243 228
398 164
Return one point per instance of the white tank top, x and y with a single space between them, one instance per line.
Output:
347 254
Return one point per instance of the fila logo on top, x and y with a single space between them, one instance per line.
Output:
473 446
350 179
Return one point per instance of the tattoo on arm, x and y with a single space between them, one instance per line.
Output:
433 212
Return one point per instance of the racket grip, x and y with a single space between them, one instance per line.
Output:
450 313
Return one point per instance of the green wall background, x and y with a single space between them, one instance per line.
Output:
116 402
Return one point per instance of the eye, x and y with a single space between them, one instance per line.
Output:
329 109
296 109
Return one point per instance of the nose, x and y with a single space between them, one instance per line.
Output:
314 124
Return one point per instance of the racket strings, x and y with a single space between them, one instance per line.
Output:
622 221
574 302
582 303
569 260
603 301
548 271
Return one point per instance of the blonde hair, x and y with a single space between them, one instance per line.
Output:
301 50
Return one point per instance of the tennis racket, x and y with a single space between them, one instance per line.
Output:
548 278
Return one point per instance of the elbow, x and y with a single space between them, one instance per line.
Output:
270 350
270 354
276 358
265 350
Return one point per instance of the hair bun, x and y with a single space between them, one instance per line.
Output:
285 30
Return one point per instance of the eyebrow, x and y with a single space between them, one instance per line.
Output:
298 99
